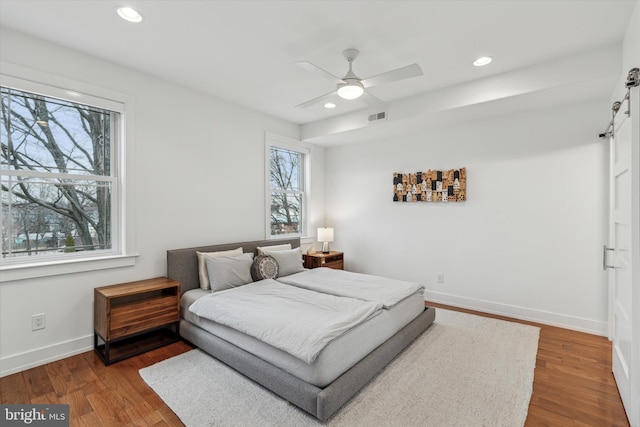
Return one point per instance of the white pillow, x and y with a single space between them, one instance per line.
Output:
262 249
229 272
289 261
203 273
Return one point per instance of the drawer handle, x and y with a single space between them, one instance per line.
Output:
605 249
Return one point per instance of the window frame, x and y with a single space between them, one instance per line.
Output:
273 140
122 250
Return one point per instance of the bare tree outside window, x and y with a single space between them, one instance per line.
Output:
286 169
56 175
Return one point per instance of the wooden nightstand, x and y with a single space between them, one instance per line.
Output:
131 318
331 260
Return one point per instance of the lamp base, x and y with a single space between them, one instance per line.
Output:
325 247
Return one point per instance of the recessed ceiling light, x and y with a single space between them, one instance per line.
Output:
129 14
482 61
329 105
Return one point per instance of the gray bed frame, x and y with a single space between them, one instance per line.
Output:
182 265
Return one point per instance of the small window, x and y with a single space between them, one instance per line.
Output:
287 187
59 174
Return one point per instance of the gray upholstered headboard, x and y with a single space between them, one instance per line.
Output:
182 264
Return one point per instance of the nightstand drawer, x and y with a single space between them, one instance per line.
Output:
331 260
140 316
337 264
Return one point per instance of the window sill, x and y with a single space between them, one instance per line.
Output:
304 240
21 272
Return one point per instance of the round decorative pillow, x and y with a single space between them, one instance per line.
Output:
264 267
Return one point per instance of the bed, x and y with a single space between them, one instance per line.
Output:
342 368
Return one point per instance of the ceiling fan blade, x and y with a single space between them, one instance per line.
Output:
372 100
326 97
318 71
409 71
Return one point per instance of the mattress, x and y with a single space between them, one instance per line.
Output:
336 358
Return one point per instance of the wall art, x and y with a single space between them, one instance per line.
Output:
431 186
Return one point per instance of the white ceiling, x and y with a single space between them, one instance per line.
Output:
244 51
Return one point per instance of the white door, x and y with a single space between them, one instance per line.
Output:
617 256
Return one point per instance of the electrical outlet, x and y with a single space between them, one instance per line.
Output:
38 321
440 277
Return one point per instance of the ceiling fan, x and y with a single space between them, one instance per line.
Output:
351 86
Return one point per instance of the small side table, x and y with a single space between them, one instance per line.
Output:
333 260
134 317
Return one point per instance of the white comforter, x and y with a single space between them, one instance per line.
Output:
295 320
387 292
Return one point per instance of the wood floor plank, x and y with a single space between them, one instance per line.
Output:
61 379
539 417
83 373
13 389
78 404
558 386
125 394
144 415
579 410
106 407
44 399
573 385
87 420
37 382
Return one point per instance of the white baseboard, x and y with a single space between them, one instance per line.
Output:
523 313
43 355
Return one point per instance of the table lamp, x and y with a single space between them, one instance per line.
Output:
325 235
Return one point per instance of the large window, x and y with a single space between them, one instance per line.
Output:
59 173
287 190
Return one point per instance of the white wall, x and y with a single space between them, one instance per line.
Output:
198 172
527 243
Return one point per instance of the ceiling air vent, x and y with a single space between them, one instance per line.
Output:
377 116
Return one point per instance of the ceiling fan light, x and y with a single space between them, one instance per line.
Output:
350 90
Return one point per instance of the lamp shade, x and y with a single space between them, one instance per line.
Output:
325 234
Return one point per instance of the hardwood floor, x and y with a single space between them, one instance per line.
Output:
573 385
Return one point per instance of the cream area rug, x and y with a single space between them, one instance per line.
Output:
465 370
